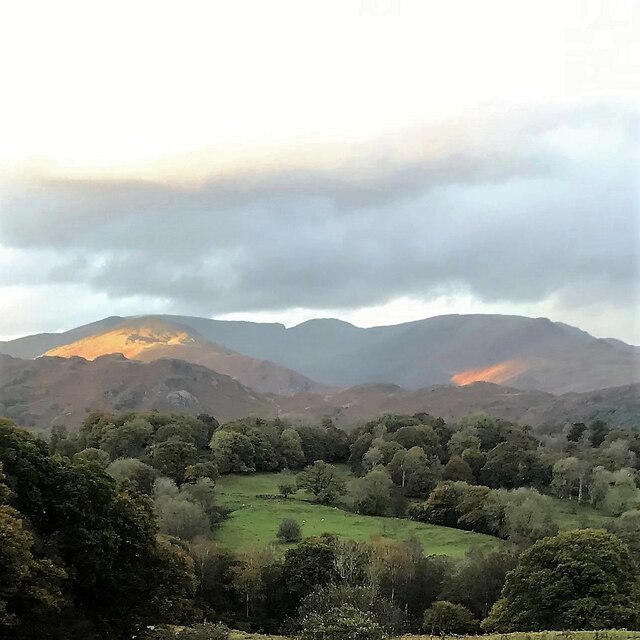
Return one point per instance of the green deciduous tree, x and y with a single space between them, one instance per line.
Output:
445 618
340 623
323 481
583 579
372 494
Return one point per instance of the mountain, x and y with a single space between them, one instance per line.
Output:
152 338
619 406
53 390
524 353
527 353
50 390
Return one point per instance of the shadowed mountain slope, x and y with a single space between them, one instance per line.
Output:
152 338
526 353
51 390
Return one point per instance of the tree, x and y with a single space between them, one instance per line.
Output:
232 452
286 484
584 579
391 562
477 582
414 472
627 528
127 441
372 494
248 575
178 514
120 578
528 515
308 566
323 480
291 449
366 599
623 495
464 438
458 469
208 469
172 457
342 622
289 531
92 456
29 587
140 475
445 618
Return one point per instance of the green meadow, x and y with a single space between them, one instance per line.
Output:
254 521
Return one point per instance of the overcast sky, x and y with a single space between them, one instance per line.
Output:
375 160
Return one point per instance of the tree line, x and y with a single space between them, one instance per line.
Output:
108 527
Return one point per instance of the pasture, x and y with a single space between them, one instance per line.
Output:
254 521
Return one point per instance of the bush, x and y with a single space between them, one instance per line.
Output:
289 531
205 631
344 622
446 618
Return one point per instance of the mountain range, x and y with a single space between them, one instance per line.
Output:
515 367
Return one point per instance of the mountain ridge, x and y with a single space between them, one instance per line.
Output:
527 353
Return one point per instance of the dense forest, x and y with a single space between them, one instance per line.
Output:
109 528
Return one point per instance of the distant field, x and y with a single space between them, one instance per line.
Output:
543 635
570 515
255 521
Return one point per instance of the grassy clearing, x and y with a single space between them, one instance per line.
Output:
254 521
570 515
542 635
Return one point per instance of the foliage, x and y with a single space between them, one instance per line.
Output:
323 480
343 622
445 618
372 494
289 531
584 579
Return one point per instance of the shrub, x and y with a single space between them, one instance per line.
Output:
289 531
205 631
344 622
446 618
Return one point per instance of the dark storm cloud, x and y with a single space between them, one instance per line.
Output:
511 209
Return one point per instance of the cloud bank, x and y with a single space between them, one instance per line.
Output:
517 207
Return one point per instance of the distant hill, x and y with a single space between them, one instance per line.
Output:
47 391
151 338
525 353
52 390
619 406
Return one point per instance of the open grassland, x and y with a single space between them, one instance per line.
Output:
254 521
542 635
570 515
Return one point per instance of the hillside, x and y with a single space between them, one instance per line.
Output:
618 405
50 390
149 339
525 353
55 390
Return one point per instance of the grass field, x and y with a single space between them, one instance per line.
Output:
542 635
570 515
254 521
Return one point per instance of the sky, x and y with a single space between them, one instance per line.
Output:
377 161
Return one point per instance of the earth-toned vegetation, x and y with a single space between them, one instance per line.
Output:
406 524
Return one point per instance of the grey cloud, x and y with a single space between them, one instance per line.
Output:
501 211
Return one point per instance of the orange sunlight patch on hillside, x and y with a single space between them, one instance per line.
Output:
125 341
497 373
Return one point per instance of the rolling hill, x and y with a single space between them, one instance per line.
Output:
54 390
47 391
524 353
148 339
